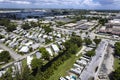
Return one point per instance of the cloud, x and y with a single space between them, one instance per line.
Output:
69 3
1 0
15 1
81 4
109 4
90 3
106 2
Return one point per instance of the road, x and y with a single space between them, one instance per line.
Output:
107 37
13 54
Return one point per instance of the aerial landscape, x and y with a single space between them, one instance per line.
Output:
59 39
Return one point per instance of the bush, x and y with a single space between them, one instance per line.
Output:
97 41
1 36
4 56
90 53
88 41
117 48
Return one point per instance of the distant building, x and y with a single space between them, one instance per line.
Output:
70 25
112 27
31 20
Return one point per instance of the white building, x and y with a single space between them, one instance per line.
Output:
1 50
29 59
24 49
31 20
55 48
49 50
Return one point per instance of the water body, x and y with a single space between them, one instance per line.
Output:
23 14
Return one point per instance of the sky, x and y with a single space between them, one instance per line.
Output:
75 4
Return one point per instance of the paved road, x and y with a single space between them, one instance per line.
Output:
13 54
107 37
107 65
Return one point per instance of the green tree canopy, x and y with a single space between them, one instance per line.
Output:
26 26
117 48
90 53
76 40
1 36
4 56
34 24
4 22
26 74
36 63
11 27
47 29
45 53
97 41
87 41
116 74
103 21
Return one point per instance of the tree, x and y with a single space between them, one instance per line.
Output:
115 75
4 56
26 26
68 44
97 41
73 33
81 32
6 76
76 40
103 21
45 53
11 27
60 23
36 63
4 22
86 33
1 36
73 49
39 23
47 41
34 24
26 74
87 41
90 53
47 29
117 48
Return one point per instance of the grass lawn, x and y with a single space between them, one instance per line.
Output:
24 63
62 69
116 63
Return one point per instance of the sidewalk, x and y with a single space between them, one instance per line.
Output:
82 49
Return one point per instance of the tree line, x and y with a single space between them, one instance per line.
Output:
10 26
